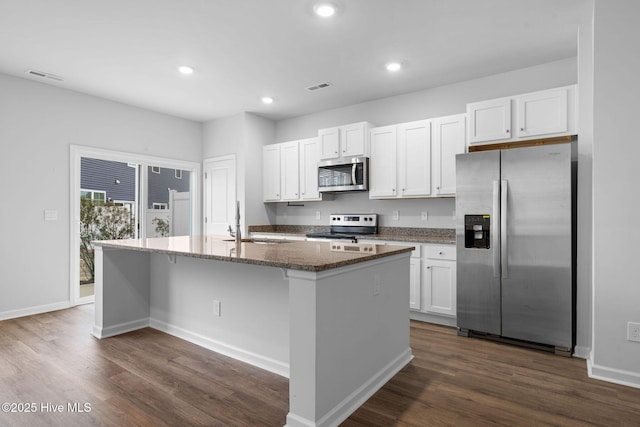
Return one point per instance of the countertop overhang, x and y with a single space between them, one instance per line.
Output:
295 255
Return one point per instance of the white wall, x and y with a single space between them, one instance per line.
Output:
616 200
38 122
244 135
585 178
441 101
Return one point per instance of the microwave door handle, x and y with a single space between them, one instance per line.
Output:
353 173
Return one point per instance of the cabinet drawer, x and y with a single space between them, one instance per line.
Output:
447 252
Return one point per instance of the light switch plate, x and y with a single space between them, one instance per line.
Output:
396 215
50 215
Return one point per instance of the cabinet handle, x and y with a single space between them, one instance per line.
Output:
507 130
428 267
521 129
438 187
439 253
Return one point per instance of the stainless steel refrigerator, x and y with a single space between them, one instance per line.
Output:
515 232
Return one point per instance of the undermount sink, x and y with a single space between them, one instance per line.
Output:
259 241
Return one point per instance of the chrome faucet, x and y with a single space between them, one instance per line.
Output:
238 233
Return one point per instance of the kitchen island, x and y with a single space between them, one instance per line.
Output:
330 316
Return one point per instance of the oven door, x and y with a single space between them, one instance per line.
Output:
344 175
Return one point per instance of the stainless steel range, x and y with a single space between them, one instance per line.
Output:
349 227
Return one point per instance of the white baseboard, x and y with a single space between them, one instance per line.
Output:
351 403
262 362
612 375
581 352
433 318
29 311
120 328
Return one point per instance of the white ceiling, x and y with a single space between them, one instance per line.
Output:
128 50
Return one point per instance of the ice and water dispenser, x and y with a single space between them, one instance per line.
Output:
477 231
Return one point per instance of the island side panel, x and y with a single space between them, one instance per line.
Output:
121 291
253 325
349 336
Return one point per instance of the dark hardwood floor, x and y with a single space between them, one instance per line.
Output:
148 378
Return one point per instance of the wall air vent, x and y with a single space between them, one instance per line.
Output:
319 86
43 75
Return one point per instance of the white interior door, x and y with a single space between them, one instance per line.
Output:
219 194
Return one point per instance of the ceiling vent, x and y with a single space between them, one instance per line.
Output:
319 86
43 75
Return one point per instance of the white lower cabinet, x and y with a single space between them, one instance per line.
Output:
414 283
432 281
439 280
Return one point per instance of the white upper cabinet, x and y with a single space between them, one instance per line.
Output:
489 120
271 173
344 141
414 159
289 171
329 143
309 156
382 164
448 140
543 114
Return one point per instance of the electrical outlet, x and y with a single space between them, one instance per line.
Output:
396 215
377 284
633 331
424 216
216 308
317 214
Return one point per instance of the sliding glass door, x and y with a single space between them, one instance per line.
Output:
116 195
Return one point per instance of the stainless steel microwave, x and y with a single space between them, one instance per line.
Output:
344 174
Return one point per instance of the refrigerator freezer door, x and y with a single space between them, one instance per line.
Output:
537 291
478 272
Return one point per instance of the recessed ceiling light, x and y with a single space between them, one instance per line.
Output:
267 100
324 10
185 69
393 66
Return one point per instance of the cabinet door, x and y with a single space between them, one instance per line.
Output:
289 171
309 156
271 173
382 165
489 120
352 140
542 113
448 140
329 140
414 158
439 291
414 284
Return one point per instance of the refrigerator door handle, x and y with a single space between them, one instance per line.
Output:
495 235
503 227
